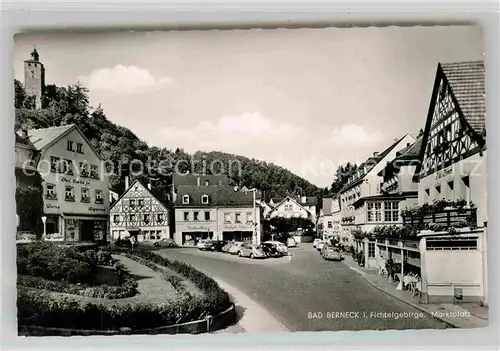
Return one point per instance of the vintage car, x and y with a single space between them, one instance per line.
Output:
251 250
271 250
330 252
204 244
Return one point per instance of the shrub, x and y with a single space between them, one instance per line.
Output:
91 256
104 257
56 262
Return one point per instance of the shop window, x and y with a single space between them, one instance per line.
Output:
186 216
207 215
195 215
371 250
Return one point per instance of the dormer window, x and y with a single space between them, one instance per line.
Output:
204 199
185 199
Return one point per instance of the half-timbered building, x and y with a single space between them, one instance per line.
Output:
140 212
453 167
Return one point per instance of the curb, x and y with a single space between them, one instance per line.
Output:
422 309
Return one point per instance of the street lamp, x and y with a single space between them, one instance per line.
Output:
44 220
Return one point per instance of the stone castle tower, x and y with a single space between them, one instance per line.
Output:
34 78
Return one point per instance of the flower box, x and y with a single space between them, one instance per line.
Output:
51 196
99 201
69 198
86 200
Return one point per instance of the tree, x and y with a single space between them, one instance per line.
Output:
29 207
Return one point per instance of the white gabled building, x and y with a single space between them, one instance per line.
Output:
75 185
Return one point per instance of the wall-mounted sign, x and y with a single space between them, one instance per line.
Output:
75 181
200 227
93 209
444 172
52 206
237 227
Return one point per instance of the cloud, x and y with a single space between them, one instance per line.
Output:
354 135
124 80
249 131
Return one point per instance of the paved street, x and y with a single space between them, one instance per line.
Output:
297 290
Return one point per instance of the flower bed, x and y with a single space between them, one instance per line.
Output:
41 308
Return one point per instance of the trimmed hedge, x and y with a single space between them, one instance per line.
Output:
40 308
127 289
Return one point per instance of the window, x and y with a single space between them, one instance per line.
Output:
288 207
371 249
238 218
140 202
206 182
132 218
146 218
98 196
391 211
50 192
227 218
186 216
185 199
330 224
68 167
69 194
54 164
195 215
204 199
249 217
79 148
69 146
160 217
85 195
451 244
84 169
207 215
93 172
132 203
116 218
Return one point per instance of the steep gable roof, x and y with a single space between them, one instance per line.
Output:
466 80
153 192
219 195
372 162
44 137
290 198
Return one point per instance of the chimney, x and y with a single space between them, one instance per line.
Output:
198 181
375 154
126 182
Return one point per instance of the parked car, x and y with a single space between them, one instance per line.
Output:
330 252
319 245
226 247
217 245
165 242
251 250
124 242
235 248
271 250
316 241
290 242
204 244
279 246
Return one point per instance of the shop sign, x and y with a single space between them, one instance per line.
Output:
193 227
237 227
93 209
75 181
52 206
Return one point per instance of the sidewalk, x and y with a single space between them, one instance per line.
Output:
465 315
252 318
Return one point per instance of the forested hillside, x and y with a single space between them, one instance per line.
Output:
67 105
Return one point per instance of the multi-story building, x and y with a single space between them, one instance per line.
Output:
219 212
75 186
34 78
179 179
363 184
294 207
453 167
330 219
140 212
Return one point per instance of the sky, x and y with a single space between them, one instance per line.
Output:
305 99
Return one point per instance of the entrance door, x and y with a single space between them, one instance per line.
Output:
87 230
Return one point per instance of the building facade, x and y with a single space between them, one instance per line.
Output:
453 167
356 206
140 213
219 212
34 78
330 219
75 186
294 207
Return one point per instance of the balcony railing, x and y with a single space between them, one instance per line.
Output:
447 218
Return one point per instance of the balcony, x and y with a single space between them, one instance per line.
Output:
441 215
